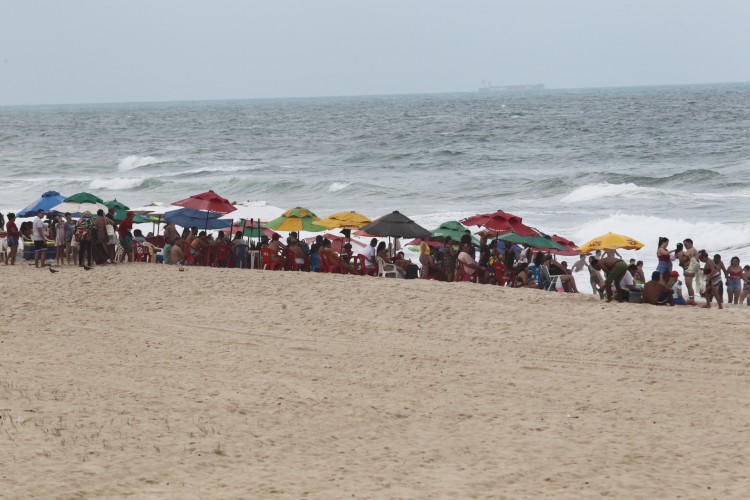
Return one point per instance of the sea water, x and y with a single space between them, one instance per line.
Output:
646 162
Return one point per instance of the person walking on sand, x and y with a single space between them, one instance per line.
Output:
13 236
614 269
713 279
39 237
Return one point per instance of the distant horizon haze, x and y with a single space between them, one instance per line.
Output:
89 51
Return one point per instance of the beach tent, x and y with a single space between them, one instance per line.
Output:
188 217
46 202
80 203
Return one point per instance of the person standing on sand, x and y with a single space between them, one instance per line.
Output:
39 237
13 236
713 279
734 281
59 240
691 269
746 285
614 269
101 239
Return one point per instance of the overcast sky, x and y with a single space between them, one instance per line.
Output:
75 51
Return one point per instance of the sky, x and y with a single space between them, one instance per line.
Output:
87 51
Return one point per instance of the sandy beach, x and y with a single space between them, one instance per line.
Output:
141 381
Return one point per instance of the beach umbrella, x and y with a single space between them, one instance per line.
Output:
208 201
570 248
395 225
611 241
296 219
155 209
451 228
188 217
344 220
254 210
46 202
80 203
539 241
502 222
121 211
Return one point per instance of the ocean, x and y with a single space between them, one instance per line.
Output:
643 161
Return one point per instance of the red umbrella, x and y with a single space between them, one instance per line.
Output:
571 249
502 222
209 201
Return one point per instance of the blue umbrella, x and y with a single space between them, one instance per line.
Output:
46 202
187 217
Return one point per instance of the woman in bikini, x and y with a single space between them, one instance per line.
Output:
713 279
745 295
664 256
734 281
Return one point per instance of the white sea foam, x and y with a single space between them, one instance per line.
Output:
593 192
117 183
338 186
134 161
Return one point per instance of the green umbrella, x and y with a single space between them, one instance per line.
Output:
121 211
532 241
454 229
296 219
84 198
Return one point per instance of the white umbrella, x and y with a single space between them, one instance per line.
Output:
79 208
155 208
254 210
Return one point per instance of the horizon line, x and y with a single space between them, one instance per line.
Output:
332 96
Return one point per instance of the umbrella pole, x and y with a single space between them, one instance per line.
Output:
158 226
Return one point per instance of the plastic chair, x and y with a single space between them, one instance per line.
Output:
240 256
190 260
140 252
386 269
222 255
325 267
503 275
363 269
266 261
463 275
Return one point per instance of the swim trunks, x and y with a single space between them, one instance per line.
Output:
617 272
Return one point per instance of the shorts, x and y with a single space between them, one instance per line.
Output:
734 286
40 245
12 242
617 272
664 298
664 267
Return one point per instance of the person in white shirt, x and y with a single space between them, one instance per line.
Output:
39 236
627 283
369 253
470 266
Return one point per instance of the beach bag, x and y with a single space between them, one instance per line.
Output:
412 271
110 230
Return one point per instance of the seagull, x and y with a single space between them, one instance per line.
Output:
52 270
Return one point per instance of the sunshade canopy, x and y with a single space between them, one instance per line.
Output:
187 217
46 202
155 208
500 221
254 210
80 203
538 241
344 220
209 201
296 219
395 225
451 228
611 241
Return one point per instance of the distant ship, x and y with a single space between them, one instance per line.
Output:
487 86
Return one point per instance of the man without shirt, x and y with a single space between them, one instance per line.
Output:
655 293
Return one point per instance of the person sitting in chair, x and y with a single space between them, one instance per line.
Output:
470 267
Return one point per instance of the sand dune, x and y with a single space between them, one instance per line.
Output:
142 381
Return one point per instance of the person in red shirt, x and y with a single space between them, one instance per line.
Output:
13 236
126 238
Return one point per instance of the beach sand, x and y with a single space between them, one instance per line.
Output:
139 380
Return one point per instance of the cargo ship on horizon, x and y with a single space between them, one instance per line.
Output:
487 86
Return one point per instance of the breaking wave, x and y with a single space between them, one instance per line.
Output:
134 161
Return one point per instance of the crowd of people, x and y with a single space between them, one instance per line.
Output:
100 240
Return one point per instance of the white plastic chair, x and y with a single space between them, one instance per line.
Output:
387 270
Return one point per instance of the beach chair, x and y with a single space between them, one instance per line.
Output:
503 275
223 255
386 269
191 260
140 252
363 269
463 275
240 256
548 283
266 262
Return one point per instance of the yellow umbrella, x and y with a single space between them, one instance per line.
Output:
344 220
611 241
